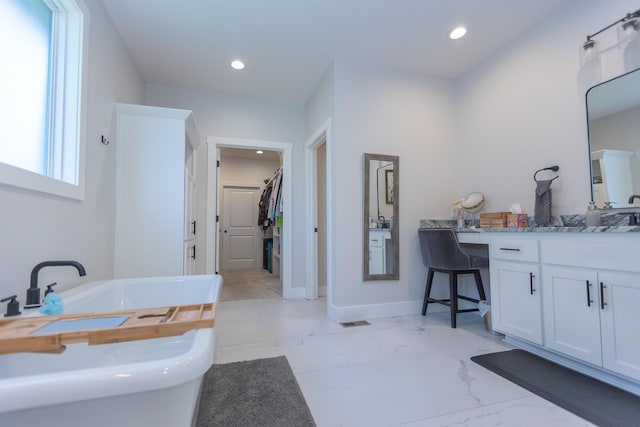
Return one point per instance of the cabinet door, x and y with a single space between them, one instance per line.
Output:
515 299
189 264
620 317
572 312
376 260
190 206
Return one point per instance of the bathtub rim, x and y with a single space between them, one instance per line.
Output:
31 391
38 390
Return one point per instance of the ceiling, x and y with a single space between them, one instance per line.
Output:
287 45
243 153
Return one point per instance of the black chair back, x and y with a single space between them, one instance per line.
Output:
440 249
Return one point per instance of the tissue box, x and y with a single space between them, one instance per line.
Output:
517 220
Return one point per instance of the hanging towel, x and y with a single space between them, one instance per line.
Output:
543 202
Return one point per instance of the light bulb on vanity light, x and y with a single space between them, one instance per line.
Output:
628 30
629 40
590 73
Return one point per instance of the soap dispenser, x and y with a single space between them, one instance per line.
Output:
592 217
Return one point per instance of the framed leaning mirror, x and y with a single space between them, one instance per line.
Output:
380 217
613 109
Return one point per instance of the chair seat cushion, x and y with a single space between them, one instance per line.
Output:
478 261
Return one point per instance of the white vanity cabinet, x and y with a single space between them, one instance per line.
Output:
601 330
619 321
613 176
377 250
515 296
572 312
591 305
571 297
155 192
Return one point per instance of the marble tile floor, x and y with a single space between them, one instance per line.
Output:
401 371
249 284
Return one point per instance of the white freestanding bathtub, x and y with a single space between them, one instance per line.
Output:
153 382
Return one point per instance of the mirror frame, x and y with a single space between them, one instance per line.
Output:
589 136
395 275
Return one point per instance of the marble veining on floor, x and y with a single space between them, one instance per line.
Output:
401 371
249 284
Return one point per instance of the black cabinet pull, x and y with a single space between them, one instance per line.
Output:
602 303
589 300
193 255
510 249
193 227
531 276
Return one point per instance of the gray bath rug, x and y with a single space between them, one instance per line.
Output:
593 400
262 392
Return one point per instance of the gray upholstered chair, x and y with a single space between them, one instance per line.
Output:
441 253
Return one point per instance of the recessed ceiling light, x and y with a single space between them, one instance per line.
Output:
237 64
457 33
259 151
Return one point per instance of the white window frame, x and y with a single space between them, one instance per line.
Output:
68 94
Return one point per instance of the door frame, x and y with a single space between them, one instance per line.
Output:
213 143
320 136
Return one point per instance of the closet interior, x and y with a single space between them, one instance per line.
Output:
251 223
270 219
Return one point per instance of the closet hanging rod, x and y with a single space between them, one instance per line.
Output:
274 175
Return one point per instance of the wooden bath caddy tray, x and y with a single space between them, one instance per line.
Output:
50 334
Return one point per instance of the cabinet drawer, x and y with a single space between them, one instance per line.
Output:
377 237
514 249
615 253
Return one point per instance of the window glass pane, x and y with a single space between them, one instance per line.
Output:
25 33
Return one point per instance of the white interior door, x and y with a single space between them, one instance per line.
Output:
240 245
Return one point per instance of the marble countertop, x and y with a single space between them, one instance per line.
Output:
571 224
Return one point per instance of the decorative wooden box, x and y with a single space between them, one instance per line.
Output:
494 219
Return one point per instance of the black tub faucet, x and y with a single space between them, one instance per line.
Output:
634 196
33 293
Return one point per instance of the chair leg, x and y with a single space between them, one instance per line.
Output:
453 292
427 291
479 285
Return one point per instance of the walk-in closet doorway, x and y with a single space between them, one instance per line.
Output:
253 257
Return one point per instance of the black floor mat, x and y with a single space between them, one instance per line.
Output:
591 399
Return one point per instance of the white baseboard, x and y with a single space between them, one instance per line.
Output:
295 293
374 311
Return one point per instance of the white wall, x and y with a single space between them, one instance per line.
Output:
221 115
320 105
237 170
520 111
36 227
385 111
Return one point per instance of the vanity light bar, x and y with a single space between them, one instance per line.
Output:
628 40
626 18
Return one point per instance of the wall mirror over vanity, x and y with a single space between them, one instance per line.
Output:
380 219
613 114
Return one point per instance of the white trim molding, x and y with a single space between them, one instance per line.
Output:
213 142
321 135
